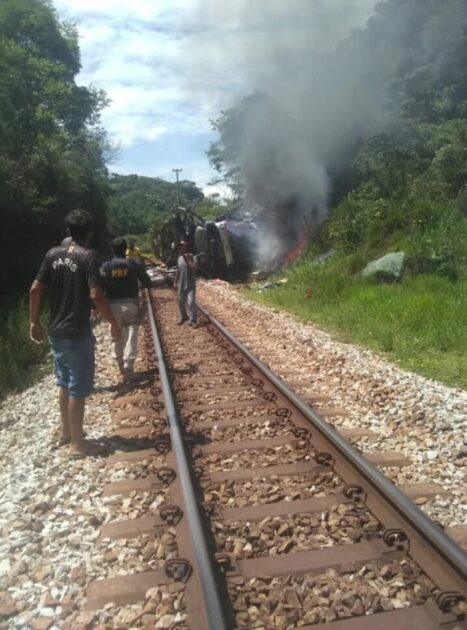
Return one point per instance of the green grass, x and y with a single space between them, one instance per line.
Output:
20 358
419 323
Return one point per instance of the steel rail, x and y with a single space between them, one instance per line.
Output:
446 548
214 611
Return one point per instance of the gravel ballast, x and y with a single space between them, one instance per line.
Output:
52 511
411 415
53 508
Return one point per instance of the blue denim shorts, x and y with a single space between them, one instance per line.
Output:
74 364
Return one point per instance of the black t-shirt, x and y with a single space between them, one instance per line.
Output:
121 278
70 272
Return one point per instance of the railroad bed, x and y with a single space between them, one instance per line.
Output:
273 520
295 539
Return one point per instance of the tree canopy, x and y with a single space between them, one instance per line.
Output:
136 202
51 146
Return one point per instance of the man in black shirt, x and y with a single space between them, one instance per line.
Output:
72 275
121 277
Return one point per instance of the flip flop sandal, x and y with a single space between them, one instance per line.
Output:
61 441
77 455
90 451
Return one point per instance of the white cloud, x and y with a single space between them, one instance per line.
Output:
132 51
122 9
155 132
128 132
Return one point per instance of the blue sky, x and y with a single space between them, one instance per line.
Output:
140 53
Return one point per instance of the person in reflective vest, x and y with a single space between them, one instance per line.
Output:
122 277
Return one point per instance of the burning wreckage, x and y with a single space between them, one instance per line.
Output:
236 243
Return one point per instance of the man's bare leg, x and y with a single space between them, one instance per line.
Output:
75 417
64 401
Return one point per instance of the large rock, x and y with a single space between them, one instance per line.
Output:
388 267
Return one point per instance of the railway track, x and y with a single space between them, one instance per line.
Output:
279 522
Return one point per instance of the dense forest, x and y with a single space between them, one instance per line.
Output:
138 206
136 202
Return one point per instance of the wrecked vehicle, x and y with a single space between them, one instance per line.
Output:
239 241
225 248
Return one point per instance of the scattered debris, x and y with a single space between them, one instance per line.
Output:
160 276
271 285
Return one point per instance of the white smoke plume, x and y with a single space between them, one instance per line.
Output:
308 114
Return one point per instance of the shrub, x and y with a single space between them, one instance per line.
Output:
17 353
355 262
433 261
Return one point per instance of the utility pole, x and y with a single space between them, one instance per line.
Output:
177 171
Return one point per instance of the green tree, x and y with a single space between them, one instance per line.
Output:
51 146
136 202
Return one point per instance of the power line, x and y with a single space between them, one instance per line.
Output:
177 171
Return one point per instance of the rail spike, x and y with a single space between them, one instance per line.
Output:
198 470
157 406
178 569
301 433
394 537
355 493
171 514
224 561
324 459
159 424
166 475
448 600
162 444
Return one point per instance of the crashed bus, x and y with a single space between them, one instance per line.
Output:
225 247
237 242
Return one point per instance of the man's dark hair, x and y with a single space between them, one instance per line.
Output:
119 247
78 223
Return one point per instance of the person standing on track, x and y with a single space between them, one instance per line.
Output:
121 277
185 283
71 273
133 252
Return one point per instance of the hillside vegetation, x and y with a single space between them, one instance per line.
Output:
136 202
420 322
138 206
